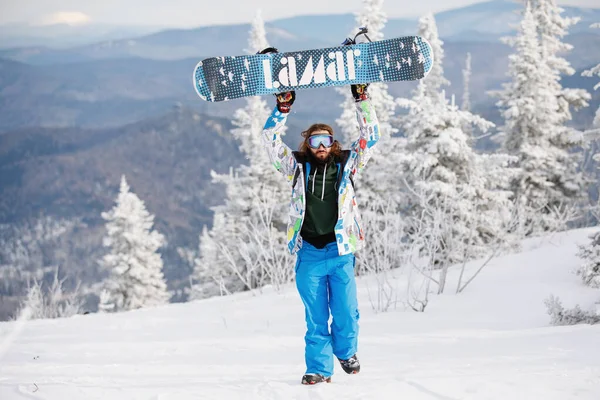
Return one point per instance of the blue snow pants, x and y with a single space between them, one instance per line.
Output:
325 281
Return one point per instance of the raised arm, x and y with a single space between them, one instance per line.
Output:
368 128
279 153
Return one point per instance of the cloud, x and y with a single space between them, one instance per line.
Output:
64 17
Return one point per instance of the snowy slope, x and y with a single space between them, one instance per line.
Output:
492 342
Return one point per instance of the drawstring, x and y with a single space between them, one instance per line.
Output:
324 175
314 178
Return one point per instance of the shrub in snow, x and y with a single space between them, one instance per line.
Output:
53 302
573 316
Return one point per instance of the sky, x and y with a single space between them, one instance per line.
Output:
191 13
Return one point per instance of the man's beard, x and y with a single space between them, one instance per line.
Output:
319 161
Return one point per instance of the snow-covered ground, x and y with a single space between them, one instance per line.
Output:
493 341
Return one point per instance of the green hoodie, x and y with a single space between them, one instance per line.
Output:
321 205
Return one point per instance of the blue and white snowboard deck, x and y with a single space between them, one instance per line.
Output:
225 78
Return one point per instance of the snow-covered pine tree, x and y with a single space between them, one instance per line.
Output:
534 131
590 73
590 269
374 18
134 264
210 267
435 80
374 185
457 194
433 85
552 27
254 211
466 98
430 88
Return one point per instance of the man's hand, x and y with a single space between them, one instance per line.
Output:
359 92
285 101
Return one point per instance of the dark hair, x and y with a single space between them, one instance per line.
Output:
336 148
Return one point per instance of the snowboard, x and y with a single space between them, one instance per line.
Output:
225 78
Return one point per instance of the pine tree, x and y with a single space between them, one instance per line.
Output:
374 18
590 269
458 202
375 177
435 80
466 99
134 264
590 73
429 89
534 132
255 207
210 268
552 27
458 195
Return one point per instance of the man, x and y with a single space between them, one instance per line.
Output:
324 230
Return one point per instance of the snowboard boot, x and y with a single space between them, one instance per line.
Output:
311 379
351 365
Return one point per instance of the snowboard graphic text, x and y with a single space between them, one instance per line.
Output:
334 71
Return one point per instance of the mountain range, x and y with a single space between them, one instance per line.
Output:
481 22
63 35
110 83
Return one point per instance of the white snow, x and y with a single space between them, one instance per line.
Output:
492 341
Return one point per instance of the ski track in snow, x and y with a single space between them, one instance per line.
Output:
491 342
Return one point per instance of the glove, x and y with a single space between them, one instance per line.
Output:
285 101
359 91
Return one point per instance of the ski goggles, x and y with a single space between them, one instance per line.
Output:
318 140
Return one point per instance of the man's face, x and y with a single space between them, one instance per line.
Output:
322 152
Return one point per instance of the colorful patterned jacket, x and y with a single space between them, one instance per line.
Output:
348 229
